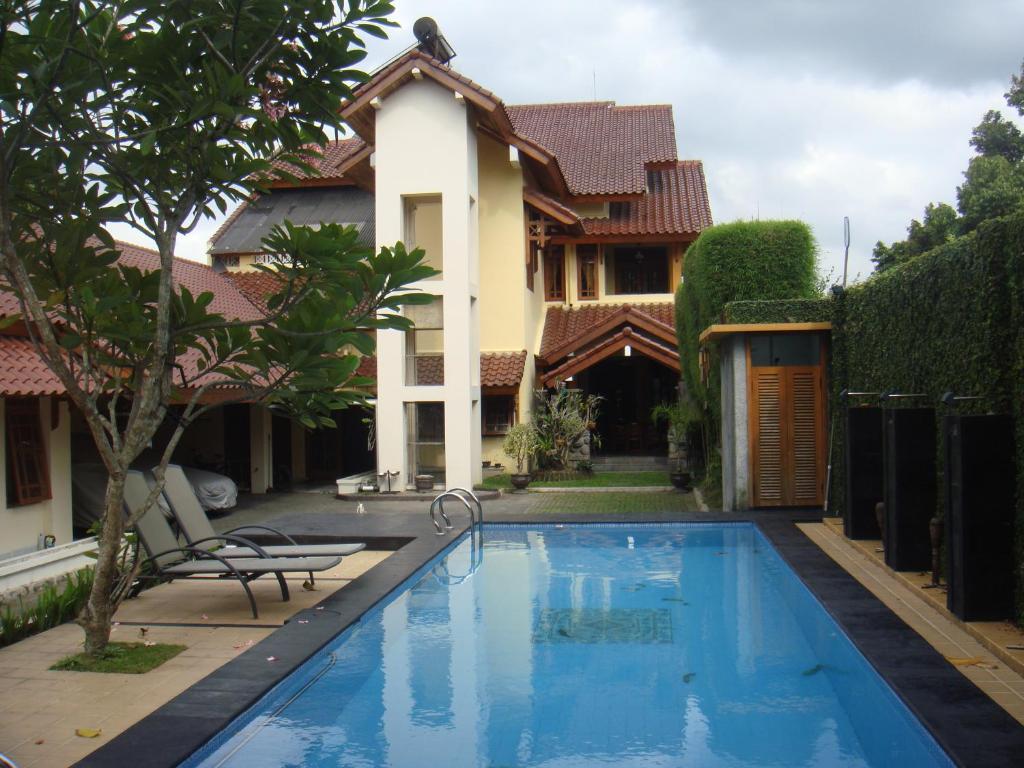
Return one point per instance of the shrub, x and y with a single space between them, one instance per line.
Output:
521 444
563 418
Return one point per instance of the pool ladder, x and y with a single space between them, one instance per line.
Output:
465 496
476 532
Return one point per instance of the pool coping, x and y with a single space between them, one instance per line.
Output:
970 727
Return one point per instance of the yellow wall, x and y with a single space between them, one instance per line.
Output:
423 219
20 526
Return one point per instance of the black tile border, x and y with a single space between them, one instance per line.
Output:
973 729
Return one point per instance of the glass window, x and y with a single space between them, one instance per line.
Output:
423 229
554 273
424 344
780 349
424 424
586 259
28 477
499 414
641 270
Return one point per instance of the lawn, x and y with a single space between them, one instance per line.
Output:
612 503
131 658
595 480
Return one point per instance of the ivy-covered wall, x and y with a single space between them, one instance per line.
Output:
779 311
951 319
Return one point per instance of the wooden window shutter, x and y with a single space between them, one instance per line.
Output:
806 443
26 452
768 439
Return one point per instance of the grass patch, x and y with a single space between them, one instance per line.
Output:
612 503
595 480
128 658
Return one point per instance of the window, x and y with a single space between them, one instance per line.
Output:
533 256
784 349
424 426
586 259
641 270
28 479
423 228
554 273
499 414
424 344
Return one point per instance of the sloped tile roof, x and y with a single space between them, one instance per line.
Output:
601 147
564 324
22 372
326 160
676 203
502 369
256 286
497 369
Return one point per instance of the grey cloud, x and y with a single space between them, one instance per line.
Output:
953 42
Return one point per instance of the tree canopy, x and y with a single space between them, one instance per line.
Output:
993 187
158 113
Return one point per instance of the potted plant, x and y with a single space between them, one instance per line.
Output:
520 444
679 418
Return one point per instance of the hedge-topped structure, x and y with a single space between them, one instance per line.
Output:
736 265
949 320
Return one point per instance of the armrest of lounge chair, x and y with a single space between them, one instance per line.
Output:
227 537
274 531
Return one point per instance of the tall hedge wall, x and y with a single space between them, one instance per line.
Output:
741 261
779 311
951 319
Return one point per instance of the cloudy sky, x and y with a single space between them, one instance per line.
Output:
808 109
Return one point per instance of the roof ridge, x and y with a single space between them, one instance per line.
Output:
609 103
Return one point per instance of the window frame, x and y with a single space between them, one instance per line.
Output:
27 452
554 273
588 260
489 402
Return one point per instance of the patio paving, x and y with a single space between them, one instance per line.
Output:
926 615
40 710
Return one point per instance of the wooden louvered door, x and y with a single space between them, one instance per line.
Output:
787 436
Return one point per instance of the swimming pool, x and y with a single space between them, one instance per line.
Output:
638 645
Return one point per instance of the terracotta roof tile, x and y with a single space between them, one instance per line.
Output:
255 285
327 159
22 372
497 369
676 203
602 148
564 324
502 369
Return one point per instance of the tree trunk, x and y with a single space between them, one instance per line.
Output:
96 616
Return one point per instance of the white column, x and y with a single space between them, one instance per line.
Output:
261 456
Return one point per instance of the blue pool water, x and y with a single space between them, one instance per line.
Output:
571 646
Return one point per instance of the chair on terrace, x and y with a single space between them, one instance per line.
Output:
196 528
171 561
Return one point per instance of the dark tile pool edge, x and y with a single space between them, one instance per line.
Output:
178 728
974 730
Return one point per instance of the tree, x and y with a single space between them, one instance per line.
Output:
996 136
156 113
940 226
993 187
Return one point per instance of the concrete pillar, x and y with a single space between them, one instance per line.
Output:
261 453
735 441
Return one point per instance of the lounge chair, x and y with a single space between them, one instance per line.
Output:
195 527
171 561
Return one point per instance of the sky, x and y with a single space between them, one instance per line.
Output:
799 109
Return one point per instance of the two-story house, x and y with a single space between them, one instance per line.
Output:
558 232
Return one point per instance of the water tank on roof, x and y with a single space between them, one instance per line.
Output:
431 41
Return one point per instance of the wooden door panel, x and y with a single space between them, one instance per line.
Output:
787 436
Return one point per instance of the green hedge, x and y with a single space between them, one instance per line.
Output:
741 261
951 319
779 311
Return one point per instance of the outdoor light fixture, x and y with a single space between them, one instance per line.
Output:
628 351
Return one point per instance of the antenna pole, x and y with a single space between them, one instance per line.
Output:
846 242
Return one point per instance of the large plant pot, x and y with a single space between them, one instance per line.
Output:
424 482
681 480
519 482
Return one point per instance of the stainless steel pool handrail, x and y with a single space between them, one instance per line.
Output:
437 505
476 500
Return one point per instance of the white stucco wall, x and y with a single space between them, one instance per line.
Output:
425 145
20 527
